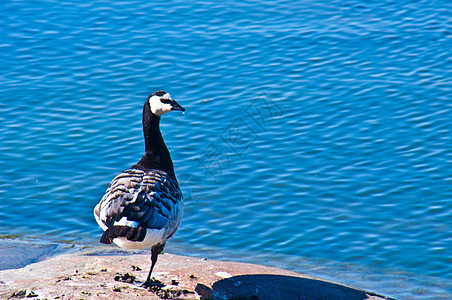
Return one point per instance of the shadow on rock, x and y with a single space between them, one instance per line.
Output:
283 287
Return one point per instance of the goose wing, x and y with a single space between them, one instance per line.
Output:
143 198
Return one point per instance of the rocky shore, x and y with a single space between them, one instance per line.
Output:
106 274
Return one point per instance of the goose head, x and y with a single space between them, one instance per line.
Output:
160 103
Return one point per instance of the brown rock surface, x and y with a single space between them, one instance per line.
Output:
101 274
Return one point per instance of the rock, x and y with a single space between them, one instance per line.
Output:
204 292
103 273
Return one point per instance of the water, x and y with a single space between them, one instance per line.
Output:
317 135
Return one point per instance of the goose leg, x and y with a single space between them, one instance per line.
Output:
155 251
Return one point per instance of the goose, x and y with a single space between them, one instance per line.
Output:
143 205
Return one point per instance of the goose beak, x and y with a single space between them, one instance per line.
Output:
176 106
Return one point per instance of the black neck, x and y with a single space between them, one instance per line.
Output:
157 155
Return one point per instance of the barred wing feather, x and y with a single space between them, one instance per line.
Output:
147 197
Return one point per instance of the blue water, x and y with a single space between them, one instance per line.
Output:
317 135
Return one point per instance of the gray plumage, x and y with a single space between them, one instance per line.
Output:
144 196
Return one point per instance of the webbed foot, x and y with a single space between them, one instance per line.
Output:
152 284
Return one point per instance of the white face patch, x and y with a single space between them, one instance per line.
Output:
159 108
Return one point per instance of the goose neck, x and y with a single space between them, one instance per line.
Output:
156 154
152 136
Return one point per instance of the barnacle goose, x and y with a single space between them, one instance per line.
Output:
143 205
